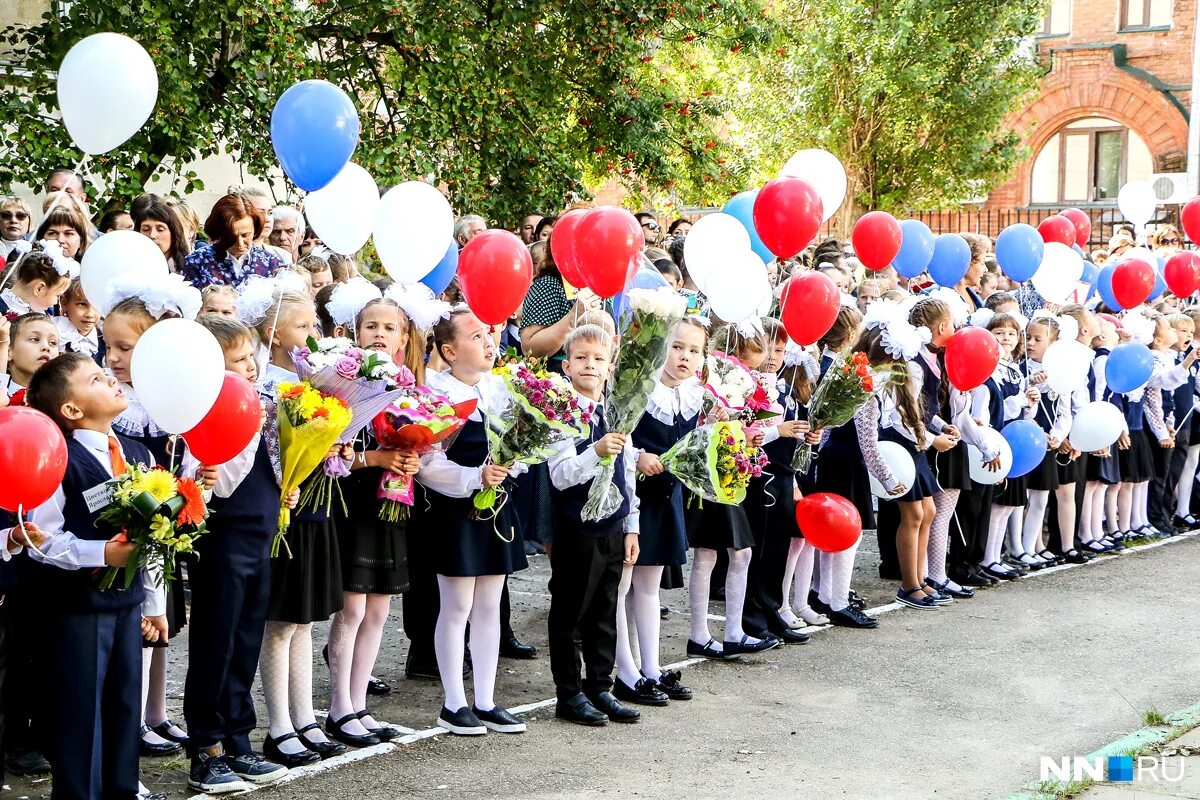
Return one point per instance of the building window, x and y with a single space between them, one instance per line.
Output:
1058 19
1088 161
1145 14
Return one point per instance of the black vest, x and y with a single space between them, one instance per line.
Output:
244 523
657 438
569 502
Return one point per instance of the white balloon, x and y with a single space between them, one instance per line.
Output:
722 240
178 370
981 474
1060 271
1141 253
1097 425
737 288
413 228
1066 364
1138 202
118 253
107 87
344 211
900 464
826 174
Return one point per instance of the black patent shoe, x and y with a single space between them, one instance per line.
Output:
746 647
377 687
163 729
706 650
512 647
150 750
851 617
290 760
334 729
385 733
645 693
668 684
323 749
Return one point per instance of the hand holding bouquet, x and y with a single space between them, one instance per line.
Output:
838 397
646 326
418 422
310 424
716 462
543 411
160 513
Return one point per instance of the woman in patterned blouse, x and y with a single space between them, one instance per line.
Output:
232 257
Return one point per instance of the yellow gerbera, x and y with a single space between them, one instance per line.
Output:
158 483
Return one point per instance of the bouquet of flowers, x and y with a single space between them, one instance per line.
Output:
420 421
366 381
746 394
646 325
715 462
310 423
162 514
838 397
543 412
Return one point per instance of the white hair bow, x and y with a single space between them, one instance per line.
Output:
161 294
350 298
66 267
417 302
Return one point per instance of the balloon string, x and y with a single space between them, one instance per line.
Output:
21 524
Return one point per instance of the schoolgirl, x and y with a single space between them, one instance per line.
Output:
1136 453
1098 513
1172 373
1187 435
36 280
78 331
33 340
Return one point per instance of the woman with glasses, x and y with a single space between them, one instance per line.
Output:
16 220
1166 241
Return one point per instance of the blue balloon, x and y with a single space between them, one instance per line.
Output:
1104 286
1019 250
916 248
951 258
1160 283
1090 273
1128 367
618 305
648 278
314 129
741 208
441 275
1028 444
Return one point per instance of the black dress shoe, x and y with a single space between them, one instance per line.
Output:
163 729
323 749
645 693
744 647
290 760
789 636
979 578
580 711
385 733
815 603
512 647
606 704
669 684
960 593
850 617
1077 557
159 749
334 728
855 600
706 650
378 687
30 762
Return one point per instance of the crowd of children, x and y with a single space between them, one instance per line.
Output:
942 536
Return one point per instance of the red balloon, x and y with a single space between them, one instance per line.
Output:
1182 273
33 458
229 426
787 215
608 242
1191 219
494 273
1082 223
808 306
562 245
876 239
1057 229
1132 282
972 355
829 522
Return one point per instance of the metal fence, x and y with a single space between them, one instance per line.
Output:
990 222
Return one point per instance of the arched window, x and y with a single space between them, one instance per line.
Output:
1088 161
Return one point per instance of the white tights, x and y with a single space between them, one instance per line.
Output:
798 575
1035 517
154 692
1131 505
1065 494
997 527
703 561
1183 491
836 571
474 600
945 502
286 668
640 585
354 638
1091 516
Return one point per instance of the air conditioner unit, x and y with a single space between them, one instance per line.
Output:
1171 187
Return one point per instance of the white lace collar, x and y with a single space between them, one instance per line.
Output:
135 420
69 335
686 399
15 304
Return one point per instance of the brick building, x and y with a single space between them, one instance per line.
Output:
1113 106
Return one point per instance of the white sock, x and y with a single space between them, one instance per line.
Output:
485 639
997 526
1065 495
944 502
342 634
457 596
805 563
366 649
1183 490
735 594
703 561
1035 515
273 666
835 583
646 617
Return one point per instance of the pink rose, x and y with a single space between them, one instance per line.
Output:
346 366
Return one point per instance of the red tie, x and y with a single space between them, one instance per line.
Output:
114 455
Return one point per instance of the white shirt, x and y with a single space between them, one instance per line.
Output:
69 335
15 304
568 468
65 550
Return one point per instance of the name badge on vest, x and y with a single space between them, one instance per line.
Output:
99 496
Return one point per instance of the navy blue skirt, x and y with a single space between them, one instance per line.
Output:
1137 463
716 526
1044 477
662 534
925 483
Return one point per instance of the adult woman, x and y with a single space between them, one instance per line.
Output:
68 226
16 221
1166 241
547 315
162 225
232 228
968 287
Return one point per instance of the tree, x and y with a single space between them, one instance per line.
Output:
509 105
911 95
